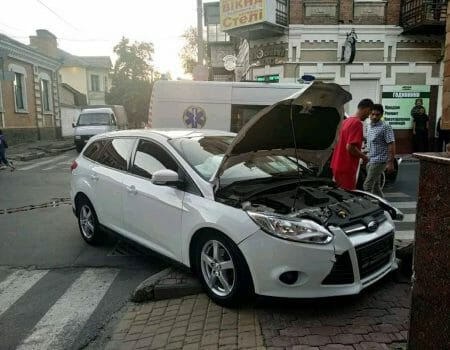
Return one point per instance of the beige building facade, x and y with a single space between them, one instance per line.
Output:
29 98
89 75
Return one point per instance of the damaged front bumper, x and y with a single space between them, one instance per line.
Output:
343 267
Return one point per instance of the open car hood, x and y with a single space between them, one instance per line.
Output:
305 125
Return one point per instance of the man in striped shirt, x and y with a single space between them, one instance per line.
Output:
381 143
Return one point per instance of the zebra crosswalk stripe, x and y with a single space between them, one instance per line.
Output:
405 205
35 165
50 167
65 319
395 195
16 285
409 218
407 235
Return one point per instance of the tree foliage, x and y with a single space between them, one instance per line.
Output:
134 60
189 51
132 79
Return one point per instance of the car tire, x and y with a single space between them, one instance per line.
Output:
88 222
222 270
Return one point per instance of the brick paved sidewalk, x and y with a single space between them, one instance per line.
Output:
375 319
192 322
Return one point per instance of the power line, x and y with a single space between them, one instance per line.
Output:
57 15
8 26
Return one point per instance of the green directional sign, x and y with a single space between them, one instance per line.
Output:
398 100
272 78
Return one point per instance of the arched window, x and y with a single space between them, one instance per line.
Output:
20 87
46 95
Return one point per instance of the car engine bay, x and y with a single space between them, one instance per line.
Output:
315 200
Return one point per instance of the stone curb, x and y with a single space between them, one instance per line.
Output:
145 291
158 287
168 291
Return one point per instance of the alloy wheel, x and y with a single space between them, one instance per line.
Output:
87 221
218 268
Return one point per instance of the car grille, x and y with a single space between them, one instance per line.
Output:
375 254
342 271
361 224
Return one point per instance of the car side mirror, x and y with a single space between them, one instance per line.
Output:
73 125
165 177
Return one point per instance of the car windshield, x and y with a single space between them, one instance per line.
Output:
204 155
94 119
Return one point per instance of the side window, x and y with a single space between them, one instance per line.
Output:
94 149
150 158
116 153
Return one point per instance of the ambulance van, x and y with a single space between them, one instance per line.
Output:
212 104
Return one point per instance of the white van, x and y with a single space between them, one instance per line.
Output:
212 104
93 121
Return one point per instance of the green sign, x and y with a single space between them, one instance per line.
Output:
273 78
398 101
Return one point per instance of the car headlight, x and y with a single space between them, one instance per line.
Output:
301 230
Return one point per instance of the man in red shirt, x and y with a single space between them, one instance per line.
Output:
347 153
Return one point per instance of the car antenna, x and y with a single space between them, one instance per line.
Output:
296 157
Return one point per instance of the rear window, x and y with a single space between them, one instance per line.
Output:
116 153
93 150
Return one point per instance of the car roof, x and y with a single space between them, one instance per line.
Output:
96 110
169 133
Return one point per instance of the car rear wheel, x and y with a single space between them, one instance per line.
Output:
223 271
88 222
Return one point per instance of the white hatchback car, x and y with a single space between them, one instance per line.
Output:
246 212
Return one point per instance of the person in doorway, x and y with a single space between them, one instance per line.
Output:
3 147
417 105
381 144
347 153
420 130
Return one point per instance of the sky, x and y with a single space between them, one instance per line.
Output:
93 27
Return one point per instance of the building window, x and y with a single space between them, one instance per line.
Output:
281 13
1 98
215 34
45 93
95 82
19 91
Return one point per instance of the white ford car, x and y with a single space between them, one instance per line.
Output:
247 212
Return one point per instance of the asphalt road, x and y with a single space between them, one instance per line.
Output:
55 290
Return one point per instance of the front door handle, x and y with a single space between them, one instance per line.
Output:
94 177
132 189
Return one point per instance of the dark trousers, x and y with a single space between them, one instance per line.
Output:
420 141
442 141
3 156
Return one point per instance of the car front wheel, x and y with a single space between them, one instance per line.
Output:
223 271
88 223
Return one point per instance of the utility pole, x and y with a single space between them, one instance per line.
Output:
200 71
200 55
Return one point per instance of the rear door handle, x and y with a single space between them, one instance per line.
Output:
94 177
132 189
